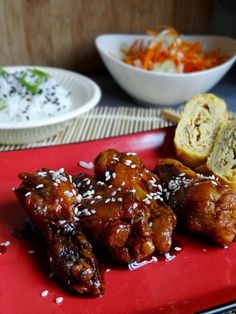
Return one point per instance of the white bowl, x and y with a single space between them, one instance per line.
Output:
163 88
85 94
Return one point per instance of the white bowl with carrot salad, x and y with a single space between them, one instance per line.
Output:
166 68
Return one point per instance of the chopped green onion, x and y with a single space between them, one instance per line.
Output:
40 78
2 72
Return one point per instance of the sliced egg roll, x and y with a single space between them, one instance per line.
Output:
222 161
196 131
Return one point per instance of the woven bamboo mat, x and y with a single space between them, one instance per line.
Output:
103 122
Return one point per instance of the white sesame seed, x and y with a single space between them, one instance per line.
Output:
86 165
108 177
93 211
135 205
113 193
27 194
146 201
107 200
44 293
177 248
31 251
113 199
68 193
39 186
79 197
100 182
119 199
122 183
86 212
6 243
59 300
113 175
98 197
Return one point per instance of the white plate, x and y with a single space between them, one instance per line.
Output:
85 94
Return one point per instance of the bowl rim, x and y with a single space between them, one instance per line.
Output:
73 113
229 62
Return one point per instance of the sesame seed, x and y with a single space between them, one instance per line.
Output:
27 194
113 175
86 212
135 205
68 193
31 251
108 177
86 165
79 197
44 293
119 199
107 200
59 300
133 166
100 182
39 186
98 197
93 211
113 193
177 248
146 201
6 243
122 183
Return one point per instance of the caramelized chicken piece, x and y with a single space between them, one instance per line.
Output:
127 172
50 199
202 204
114 221
73 259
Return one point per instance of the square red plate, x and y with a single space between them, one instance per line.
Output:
202 275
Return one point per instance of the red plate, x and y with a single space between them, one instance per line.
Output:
201 276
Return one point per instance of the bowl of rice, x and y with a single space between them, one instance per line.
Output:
39 102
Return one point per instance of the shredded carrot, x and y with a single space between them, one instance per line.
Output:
168 45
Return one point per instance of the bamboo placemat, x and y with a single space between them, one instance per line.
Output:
103 122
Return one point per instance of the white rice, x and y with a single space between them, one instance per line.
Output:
17 103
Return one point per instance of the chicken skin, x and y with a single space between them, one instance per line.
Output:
50 199
114 221
126 171
202 204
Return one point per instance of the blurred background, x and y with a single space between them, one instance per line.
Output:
61 33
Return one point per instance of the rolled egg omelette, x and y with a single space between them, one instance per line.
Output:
198 127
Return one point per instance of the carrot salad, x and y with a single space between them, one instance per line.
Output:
168 51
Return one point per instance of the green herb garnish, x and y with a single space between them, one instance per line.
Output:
2 72
40 77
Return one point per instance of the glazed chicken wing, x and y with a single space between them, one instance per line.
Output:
114 221
202 204
50 199
126 171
